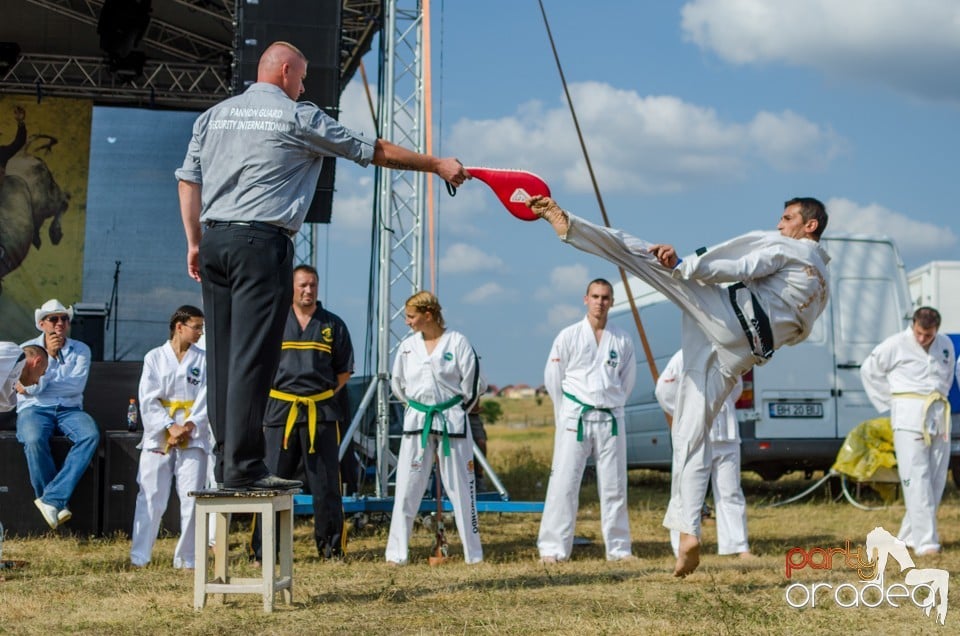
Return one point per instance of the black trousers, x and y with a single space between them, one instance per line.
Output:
247 283
322 473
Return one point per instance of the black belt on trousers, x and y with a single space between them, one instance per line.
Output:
256 225
757 329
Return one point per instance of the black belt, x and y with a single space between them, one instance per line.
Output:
256 225
757 329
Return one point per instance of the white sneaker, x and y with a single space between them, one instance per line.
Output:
49 513
64 516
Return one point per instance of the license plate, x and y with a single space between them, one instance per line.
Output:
796 409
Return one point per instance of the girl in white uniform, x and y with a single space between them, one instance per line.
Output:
910 374
435 373
176 436
724 443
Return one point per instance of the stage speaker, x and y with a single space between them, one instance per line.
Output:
20 516
121 459
110 386
313 26
87 326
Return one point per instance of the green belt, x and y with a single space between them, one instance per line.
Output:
588 407
430 411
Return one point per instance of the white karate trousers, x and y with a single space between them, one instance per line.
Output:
414 465
563 490
730 506
155 477
923 475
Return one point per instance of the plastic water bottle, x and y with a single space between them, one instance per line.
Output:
132 415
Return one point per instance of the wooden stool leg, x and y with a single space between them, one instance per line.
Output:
200 559
269 548
286 553
221 552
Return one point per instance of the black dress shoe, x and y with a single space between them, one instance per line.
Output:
272 482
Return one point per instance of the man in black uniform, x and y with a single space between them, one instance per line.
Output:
300 424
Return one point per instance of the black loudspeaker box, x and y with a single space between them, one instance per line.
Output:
18 513
120 462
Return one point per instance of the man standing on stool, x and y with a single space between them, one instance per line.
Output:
740 301
302 415
55 403
910 374
724 442
589 376
249 175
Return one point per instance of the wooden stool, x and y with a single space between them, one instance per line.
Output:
275 506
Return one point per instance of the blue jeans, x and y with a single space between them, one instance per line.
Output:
35 426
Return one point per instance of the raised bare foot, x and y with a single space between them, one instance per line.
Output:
688 555
747 555
547 208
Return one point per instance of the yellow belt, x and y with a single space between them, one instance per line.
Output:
310 401
929 399
172 407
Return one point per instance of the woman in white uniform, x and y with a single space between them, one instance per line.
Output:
436 375
176 436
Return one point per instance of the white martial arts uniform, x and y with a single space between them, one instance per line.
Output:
724 446
166 385
599 375
450 371
912 384
11 366
785 290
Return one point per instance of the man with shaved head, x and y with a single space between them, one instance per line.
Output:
249 176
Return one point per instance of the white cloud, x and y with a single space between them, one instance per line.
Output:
484 293
913 47
915 239
566 281
639 144
463 258
355 110
560 316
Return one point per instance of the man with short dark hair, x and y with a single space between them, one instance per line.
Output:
740 301
589 375
249 176
910 374
55 404
19 367
302 418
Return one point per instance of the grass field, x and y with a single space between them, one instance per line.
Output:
83 585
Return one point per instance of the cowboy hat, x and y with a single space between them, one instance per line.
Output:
52 306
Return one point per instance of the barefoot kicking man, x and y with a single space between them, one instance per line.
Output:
740 302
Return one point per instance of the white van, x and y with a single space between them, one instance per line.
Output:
797 409
937 285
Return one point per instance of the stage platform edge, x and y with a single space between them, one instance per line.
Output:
486 502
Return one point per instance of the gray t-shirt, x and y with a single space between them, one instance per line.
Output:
258 156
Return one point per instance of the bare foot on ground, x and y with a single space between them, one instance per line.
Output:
688 557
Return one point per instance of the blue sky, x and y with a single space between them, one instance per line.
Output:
701 118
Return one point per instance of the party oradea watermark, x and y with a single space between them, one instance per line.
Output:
923 588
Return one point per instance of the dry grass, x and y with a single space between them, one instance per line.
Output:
84 585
